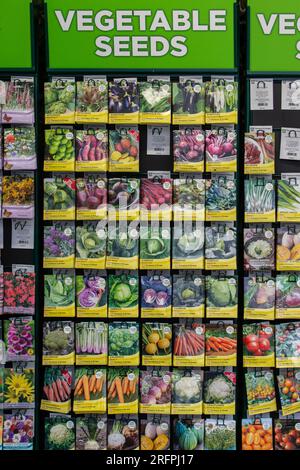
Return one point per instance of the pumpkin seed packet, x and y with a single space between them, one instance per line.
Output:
59 197
260 389
258 345
122 246
188 101
257 434
259 248
221 149
91 152
18 335
126 426
59 425
220 434
259 152
18 387
18 430
288 344
188 149
18 107
123 297
221 198
288 204
18 196
59 294
221 296
19 148
187 391
123 390
58 343
188 295
219 393
288 248
124 149
156 295
188 432
220 246
123 103
91 343
156 344
89 390
155 245
287 434
59 150
91 432
91 197
289 391
123 343
189 199
59 101
288 296
155 433
155 101
220 343
188 245
92 101
59 245
57 389
259 297
189 343
259 199
123 198
91 240
91 295
155 391
221 101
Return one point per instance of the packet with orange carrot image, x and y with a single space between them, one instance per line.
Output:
220 343
89 390
57 389
122 390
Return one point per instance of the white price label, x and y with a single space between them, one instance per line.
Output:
261 95
158 140
22 234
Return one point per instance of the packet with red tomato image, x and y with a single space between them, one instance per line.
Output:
257 434
258 345
287 434
57 389
289 391
124 149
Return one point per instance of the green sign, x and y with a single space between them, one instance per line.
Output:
274 35
15 34
138 34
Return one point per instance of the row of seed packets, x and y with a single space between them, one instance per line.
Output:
127 101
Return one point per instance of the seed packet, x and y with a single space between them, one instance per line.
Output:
221 296
19 339
257 434
18 387
122 245
91 295
220 344
221 149
188 432
19 148
258 345
220 246
19 292
91 343
287 296
156 198
59 198
58 343
187 391
220 198
288 248
157 344
59 433
289 391
123 104
288 204
123 433
92 101
155 245
155 433
59 245
288 344
220 434
188 295
57 389
91 245
18 196
1 431
1 298
259 248
91 197
260 199
221 101
259 297
156 296
219 393
91 432
188 101
260 389
155 101
19 101
123 342
189 337
91 150
189 199
155 391
123 198
59 294
259 152
124 149
123 297
188 149
18 430
188 245
123 390
287 434
90 390
59 101
59 150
